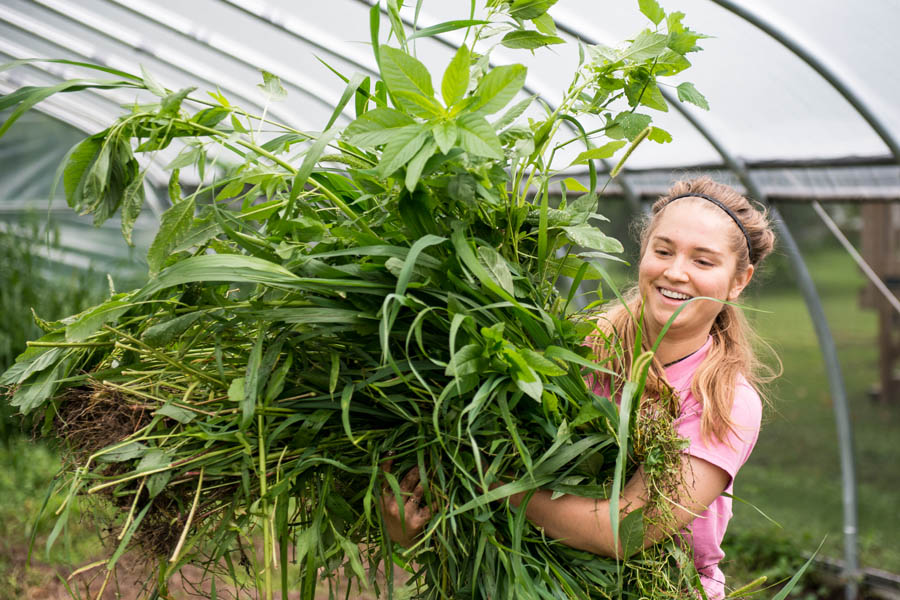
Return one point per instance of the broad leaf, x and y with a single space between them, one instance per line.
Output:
476 136
605 151
529 9
591 237
688 93
404 73
271 87
456 77
529 40
404 145
498 268
174 224
445 134
377 127
652 10
646 45
497 88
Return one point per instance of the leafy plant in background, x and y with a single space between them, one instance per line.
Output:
388 287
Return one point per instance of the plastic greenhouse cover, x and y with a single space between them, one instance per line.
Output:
765 103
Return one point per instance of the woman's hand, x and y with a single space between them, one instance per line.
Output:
404 529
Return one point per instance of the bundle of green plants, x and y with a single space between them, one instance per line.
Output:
329 299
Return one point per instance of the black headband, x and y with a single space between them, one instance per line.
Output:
728 212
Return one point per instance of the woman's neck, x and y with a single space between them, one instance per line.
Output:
674 348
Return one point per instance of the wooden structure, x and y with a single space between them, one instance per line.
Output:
881 249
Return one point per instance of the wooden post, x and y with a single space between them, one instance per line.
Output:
881 249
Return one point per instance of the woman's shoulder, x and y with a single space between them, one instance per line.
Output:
746 409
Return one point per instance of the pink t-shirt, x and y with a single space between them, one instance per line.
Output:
705 532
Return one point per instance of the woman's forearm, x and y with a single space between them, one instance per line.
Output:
578 522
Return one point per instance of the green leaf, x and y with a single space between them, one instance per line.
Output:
155 459
80 160
660 136
236 391
120 452
309 162
647 45
540 363
404 73
477 137
377 127
132 203
545 24
529 40
91 321
166 332
171 104
456 77
404 145
252 379
174 224
445 27
605 151
445 135
153 86
652 10
349 92
497 88
632 124
631 532
271 87
498 268
525 378
414 169
182 415
591 237
513 113
529 9
688 93
26 365
187 157
31 395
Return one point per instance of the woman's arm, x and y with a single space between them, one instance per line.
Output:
584 523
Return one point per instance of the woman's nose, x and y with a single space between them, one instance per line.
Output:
675 270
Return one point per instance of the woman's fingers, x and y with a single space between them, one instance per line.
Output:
410 480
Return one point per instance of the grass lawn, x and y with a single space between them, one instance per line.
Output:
794 473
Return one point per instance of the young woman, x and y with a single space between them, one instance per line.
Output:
702 239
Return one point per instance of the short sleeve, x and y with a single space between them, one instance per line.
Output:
730 454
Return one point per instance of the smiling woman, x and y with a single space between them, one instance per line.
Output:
699 250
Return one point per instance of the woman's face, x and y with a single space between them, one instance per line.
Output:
689 253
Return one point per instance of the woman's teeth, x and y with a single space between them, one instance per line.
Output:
673 295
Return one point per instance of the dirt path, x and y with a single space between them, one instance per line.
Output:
41 581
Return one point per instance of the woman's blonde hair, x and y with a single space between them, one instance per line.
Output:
732 353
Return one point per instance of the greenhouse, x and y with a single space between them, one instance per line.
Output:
285 286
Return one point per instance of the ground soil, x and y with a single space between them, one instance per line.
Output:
41 581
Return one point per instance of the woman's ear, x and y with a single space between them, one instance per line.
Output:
740 282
